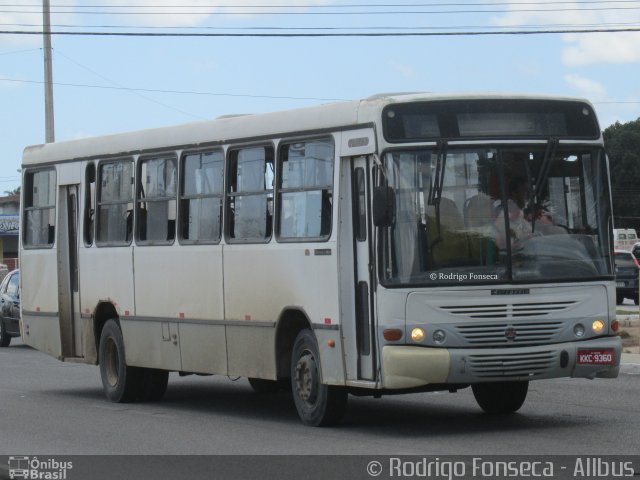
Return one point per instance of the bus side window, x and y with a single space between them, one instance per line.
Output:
114 202
156 200
201 191
250 195
40 208
305 190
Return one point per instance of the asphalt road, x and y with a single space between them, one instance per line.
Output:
57 408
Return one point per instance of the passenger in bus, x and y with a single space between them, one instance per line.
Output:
519 227
525 219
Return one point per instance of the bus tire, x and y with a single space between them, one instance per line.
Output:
500 397
154 384
318 404
120 382
5 338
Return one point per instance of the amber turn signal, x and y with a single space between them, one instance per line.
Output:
392 334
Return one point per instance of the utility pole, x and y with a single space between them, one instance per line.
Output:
48 73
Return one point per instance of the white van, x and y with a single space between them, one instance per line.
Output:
624 238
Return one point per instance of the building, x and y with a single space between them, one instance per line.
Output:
9 230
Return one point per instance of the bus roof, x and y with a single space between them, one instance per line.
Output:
236 127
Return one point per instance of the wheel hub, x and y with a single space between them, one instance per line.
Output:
306 378
112 362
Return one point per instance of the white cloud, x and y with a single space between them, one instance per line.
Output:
406 71
21 21
603 48
169 13
29 18
586 86
582 49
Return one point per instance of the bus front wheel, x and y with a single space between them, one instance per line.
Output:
120 382
500 397
317 404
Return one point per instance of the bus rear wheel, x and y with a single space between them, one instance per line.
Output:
500 397
120 382
317 404
154 384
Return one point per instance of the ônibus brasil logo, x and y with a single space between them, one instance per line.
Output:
37 469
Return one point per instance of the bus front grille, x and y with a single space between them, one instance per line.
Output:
508 310
519 365
505 334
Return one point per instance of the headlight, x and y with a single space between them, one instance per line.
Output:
417 334
597 326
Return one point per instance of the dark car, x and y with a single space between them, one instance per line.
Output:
636 251
9 308
626 276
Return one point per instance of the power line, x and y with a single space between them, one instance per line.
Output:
317 7
14 52
133 91
360 13
343 34
182 92
317 28
217 94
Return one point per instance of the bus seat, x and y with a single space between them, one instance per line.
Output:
479 220
446 229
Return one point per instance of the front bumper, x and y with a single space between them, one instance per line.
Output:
407 366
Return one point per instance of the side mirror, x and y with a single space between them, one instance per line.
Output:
384 206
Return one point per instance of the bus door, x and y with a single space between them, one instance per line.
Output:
363 271
68 288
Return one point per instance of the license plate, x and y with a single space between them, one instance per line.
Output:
603 356
621 284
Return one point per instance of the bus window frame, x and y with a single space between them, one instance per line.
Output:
99 165
24 209
144 157
222 196
278 189
227 194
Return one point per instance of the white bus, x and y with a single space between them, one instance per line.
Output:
397 244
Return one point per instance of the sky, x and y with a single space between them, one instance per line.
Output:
109 84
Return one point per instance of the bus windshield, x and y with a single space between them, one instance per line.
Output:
493 215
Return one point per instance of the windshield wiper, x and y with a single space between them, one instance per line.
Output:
441 159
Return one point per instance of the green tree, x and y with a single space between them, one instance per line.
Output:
622 142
